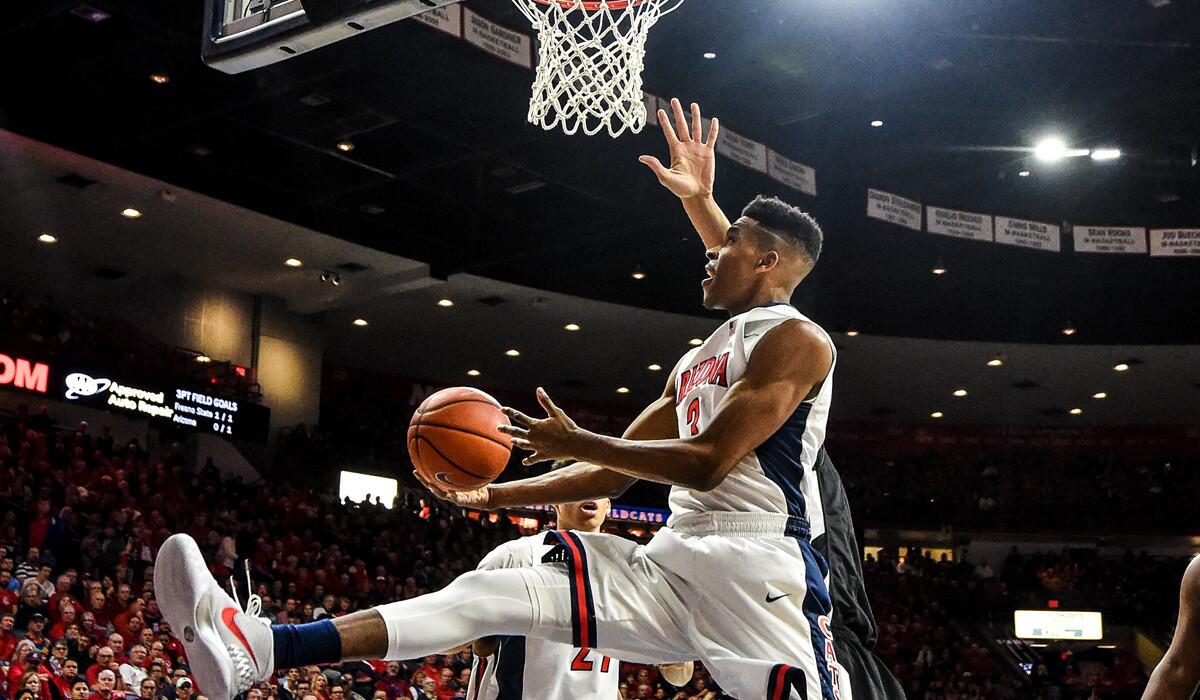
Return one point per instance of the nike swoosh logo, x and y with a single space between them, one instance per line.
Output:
772 599
227 616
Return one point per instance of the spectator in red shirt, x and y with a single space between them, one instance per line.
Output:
105 661
98 605
8 597
80 690
67 676
117 643
62 592
66 616
105 687
121 620
8 640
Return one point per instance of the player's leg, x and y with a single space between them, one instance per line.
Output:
229 649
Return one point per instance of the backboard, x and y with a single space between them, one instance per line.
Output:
240 35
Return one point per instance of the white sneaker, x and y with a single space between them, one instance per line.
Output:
228 649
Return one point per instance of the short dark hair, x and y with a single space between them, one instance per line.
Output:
787 222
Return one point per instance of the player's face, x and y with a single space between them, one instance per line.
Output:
730 272
585 516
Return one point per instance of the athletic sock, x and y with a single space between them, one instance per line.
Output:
303 645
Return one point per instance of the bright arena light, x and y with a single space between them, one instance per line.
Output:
1049 150
876 123
1106 154
357 487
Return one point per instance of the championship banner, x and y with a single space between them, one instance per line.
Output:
499 41
894 209
447 18
740 149
1028 234
1170 242
797 176
960 224
1110 239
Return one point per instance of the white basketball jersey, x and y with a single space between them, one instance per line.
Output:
526 668
777 476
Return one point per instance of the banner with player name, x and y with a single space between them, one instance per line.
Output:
1109 239
1028 234
1170 242
894 209
961 224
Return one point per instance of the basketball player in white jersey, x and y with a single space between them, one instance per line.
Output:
519 668
733 580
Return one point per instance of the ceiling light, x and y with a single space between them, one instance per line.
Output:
936 414
445 303
203 359
852 334
1106 154
1075 411
473 373
1023 173
47 238
1100 395
995 362
638 274
361 322
695 341
512 352
960 393
877 123
345 146
710 55
1050 150
160 78
571 327
1069 329
655 367
294 262
1120 367
939 268
130 213
622 390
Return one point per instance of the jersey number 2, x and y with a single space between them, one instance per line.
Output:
693 415
580 662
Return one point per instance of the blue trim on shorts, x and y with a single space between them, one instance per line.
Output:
817 604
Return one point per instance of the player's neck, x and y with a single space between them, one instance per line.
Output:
766 297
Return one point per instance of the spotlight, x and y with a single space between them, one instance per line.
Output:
160 78
1121 367
622 390
203 359
571 327
655 367
47 238
638 274
1069 329
1023 173
361 322
345 146
130 213
473 373
445 303
936 414
995 362
1075 411
960 393
513 352
1050 150
695 341
938 268
852 334
294 262
1106 154
710 55
1100 395
877 123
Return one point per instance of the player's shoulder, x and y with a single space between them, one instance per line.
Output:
1190 587
512 554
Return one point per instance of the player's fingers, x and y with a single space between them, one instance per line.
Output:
522 443
713 132
551 410
513 430
532 460
669 131
655 165
680 120
518 417
432 489
697 124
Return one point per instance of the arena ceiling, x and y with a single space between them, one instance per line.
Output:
446 172
101 259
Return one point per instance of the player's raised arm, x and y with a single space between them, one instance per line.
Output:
577 482
693 170
788 365
1178 674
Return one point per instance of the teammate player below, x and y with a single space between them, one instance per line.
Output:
735 434
516 668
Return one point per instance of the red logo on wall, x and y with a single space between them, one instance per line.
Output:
23 374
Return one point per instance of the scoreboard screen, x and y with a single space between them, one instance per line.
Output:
1058 624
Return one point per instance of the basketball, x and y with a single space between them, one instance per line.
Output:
453 440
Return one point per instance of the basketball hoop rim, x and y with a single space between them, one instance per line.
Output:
592 5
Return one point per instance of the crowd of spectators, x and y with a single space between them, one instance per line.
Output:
82 515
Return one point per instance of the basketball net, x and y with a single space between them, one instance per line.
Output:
589 74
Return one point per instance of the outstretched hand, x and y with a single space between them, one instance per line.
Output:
475 498
554 437
693 162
